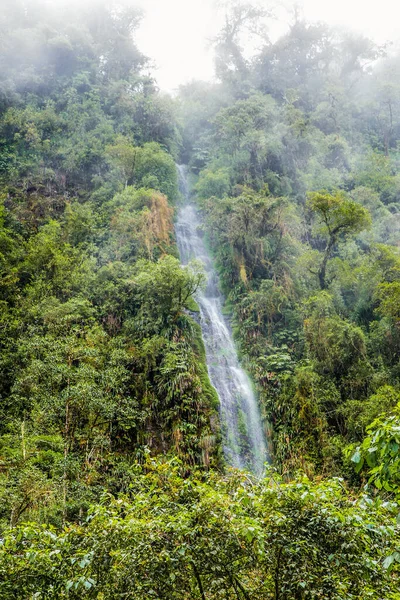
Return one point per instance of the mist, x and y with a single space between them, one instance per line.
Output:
199 300
178 35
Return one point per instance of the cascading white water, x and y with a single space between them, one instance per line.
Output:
244 441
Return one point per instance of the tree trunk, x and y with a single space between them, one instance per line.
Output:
322 269
200 585
277 593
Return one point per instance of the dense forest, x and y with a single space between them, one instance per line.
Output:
113 478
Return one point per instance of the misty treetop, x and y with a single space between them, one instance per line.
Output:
112 475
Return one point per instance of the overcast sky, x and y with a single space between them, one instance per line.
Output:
176 33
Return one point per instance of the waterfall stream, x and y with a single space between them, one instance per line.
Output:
242 430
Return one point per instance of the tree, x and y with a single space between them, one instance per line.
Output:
388 295
155 168
123 153
231 66
337 219
337 344
212 183
162 291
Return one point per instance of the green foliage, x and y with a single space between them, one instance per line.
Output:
99 359
337 218
123 153
359 414
213 183
334 343
209 537
298 180
156 169
163 290
388 295
337 215
380 452
102 367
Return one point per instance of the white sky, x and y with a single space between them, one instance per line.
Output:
175 34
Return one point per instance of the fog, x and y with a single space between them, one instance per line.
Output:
176 34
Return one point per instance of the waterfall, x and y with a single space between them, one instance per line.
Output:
242 430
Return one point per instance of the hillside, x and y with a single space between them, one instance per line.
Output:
119 476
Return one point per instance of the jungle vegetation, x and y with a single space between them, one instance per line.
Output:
112 477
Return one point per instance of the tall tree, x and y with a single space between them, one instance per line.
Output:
337 218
